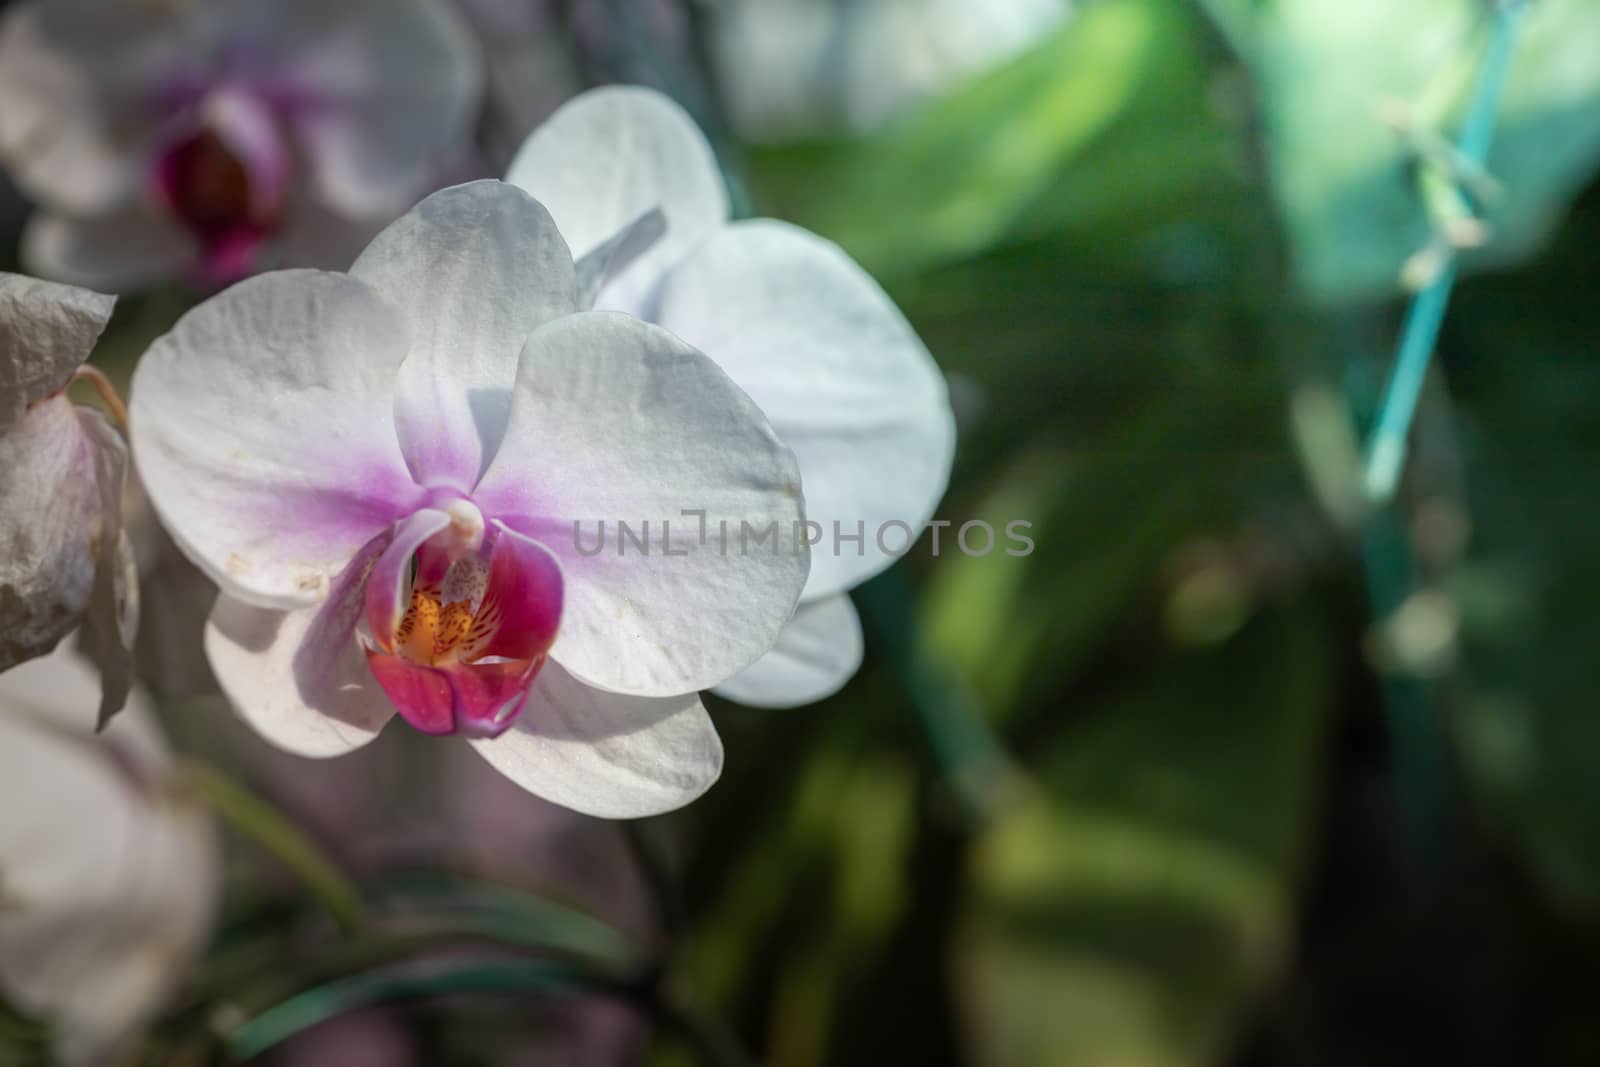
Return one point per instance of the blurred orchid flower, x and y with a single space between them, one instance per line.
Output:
109 877
792 319
213 138
804 68
385 472
63 557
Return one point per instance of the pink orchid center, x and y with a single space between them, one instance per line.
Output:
461 626
225 182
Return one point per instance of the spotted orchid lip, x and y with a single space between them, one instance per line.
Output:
460 619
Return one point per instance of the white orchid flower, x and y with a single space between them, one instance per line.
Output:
386 472
109 876
793 320
212 138
63 557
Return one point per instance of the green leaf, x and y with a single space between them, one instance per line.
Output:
1345 181
1013 155
1131 910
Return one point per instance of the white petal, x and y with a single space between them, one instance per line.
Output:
817 653
616 420
843 377
263 427
474 269
610 156
110 879
51 513
300 678
398 84
57 136
603 754
46 332
130 249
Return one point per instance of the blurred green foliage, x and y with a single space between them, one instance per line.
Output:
1148 252
1346 181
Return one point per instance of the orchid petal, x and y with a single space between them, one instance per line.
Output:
111 882
262 425
845 380
55 133
388 88
46 332
817 653
604 754
52 512
473 269
127 249
613 419
608 157
299 677
603 264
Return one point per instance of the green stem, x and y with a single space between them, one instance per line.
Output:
259 821
1386 453
1411 710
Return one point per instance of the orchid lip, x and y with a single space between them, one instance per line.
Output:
459 620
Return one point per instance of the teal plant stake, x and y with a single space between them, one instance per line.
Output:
1386 452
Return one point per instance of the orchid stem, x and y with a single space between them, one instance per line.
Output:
256 819
107 393
1386 453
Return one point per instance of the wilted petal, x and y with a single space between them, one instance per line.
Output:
263 429
615 419
52 518
604 754
111 619
473 269
46 332
300 677
817 653
843 377
608 157
110 880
